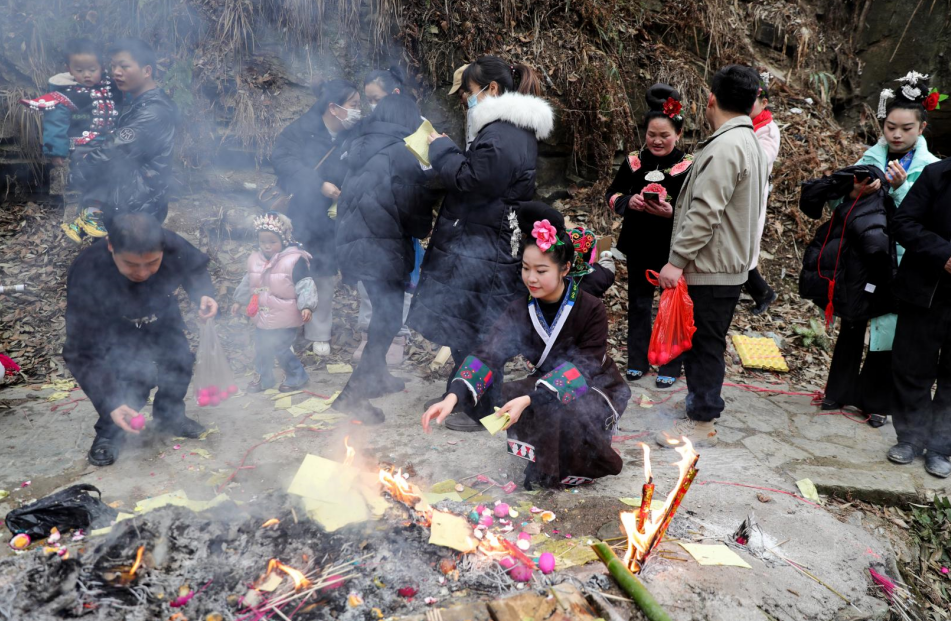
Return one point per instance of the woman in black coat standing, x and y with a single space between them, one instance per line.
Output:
384 203
471 271
307 160
660 169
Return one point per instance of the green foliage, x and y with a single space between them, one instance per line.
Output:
823 83
815 334
178 83
931 530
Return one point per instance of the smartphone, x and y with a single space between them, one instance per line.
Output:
862 175
651 196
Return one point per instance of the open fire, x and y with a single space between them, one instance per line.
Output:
645 528
300 581
399 488
351 454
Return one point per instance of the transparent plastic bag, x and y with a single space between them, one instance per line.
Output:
214 382
673 328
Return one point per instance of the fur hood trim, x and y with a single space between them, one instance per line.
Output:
524 111
63 79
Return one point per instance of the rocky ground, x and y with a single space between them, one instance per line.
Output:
768 441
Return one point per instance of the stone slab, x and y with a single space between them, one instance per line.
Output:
772 452
838 452
870 485
823 428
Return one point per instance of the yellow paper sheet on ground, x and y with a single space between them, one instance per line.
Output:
808 489
283 403
179 498
567 552
656 505
432 498
418 142
347 507
283 395
339 368
759 353
451 531
319 478
715 554
495 423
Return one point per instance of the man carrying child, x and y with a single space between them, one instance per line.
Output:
130 170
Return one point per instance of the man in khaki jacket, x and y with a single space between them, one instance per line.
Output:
714 239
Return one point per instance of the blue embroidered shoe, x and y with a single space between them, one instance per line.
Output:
632 376
665 381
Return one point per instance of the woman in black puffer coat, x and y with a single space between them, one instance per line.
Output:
471 271
855 251
385 202
307 160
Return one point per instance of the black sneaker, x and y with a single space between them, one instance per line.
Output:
904 453
104 451
460 421
185 428
763 306
937 464
359 408
382 385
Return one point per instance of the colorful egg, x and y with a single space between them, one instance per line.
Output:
20 541
486 520
521 573
137 422
215 400
232 389
507 562
501 510
546 563
203 401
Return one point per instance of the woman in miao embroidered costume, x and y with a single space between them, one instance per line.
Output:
562 416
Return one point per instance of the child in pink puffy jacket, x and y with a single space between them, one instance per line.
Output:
280 297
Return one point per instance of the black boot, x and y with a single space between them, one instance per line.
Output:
904 453
763 305
937 464
104 451
382 384
358 407
184 428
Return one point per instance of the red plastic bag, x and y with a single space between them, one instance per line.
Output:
673 328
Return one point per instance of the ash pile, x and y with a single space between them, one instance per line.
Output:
223 563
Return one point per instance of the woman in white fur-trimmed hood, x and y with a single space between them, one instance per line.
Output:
472 271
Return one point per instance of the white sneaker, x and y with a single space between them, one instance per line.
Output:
322 348
700 434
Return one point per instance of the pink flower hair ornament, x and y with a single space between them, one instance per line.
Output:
546 236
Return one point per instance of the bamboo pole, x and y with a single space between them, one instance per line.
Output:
630 584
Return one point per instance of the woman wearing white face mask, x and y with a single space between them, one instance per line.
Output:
306 158
471 271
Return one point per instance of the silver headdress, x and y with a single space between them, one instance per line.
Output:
883 98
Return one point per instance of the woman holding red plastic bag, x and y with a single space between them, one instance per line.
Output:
644 193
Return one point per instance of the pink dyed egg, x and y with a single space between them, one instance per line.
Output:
232 389
215 400
501 510
507 562
546 562
525 536
486 520
204 400
521 573
137 422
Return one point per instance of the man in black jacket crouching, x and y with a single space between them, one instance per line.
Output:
124 329
922 349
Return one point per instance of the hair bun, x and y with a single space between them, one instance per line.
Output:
397 74
531 212
914 87
658 94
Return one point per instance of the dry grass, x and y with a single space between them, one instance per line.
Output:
27 126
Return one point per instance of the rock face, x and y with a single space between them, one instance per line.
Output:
886 55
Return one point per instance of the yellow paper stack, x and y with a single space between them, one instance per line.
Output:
759 353
418 142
